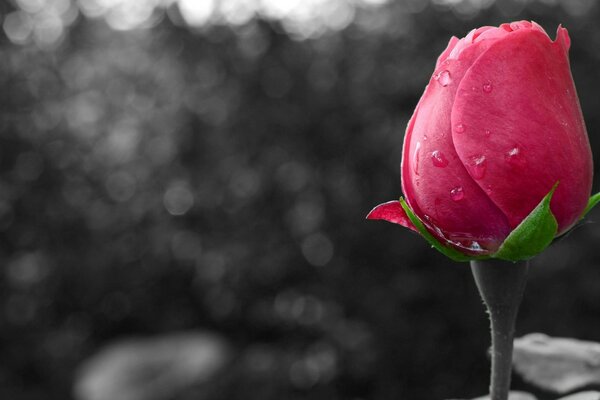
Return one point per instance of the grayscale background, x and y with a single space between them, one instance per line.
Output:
183 191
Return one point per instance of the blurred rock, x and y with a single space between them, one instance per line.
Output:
513 396
557 364
155 368
583 396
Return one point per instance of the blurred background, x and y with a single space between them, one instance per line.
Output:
189 179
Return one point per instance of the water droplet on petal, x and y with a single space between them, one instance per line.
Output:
424 137
515 157
438 159
477 167
459 128
487 132
488 189
444 78
487 87
457 193
475 246
416 157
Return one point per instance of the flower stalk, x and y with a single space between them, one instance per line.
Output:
501 285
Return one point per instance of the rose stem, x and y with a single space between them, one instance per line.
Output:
501 285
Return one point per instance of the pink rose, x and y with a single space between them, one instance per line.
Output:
498 125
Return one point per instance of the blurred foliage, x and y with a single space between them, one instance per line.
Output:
167 177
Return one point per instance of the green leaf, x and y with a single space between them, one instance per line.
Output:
445 250
595 199
532 235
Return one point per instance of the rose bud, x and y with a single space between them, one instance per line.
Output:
498 127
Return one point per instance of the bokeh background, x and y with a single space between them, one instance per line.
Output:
172 166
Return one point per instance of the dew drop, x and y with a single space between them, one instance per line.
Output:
475 246
477 167
416 157
444 78
459 128
487 87
457 193
488 190
515 157
487 132
438 159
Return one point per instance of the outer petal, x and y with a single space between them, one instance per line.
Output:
453 41
392 212
436 184
523 128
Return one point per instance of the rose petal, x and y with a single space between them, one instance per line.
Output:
434 180
453 41
392 212
522 118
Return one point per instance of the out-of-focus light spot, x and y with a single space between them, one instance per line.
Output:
212 267
340 15
31 6
128 15
293 176
196 12
83 111
245 183
318 364
60 6
120 186
48 19
48 29
122 142
91 8
317 249
125 14
27 269
302 19
178 199
280 8
378 2
161 150
305 310
306 215
18 27
303 374
237 12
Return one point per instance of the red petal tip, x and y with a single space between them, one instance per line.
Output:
392 212
562 38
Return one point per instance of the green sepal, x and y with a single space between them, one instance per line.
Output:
532 235
449 252
595 199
